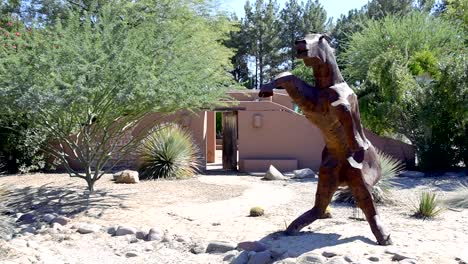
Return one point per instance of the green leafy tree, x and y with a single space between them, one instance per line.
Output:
261 25
89 80
407 87
292 28
314 18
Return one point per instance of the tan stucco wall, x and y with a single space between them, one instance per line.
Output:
284 138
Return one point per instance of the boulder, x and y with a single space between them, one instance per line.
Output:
198 248
252 246
311 258
329 254
62 220
220 247
86 228
127 176
26 218
141 235
273 174
242 258
48 218
304 174
155 234
125 230
337 260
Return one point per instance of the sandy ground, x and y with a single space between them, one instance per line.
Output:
208 208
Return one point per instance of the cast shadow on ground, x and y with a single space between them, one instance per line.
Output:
68 200
444 183
308 241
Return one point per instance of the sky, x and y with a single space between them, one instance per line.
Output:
334 8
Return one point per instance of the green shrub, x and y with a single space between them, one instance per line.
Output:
459 199
256 211
391 167
168 152
428 206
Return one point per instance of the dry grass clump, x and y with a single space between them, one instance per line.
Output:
459 199
169 152
429 206
256 211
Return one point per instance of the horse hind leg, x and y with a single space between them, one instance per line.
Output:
362 193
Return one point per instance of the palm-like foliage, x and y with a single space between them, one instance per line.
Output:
391 167
428 206
168 152
460 198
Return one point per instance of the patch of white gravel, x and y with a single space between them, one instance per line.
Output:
207 208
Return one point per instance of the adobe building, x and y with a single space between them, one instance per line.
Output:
259 132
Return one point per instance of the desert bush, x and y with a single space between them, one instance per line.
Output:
391 167
460 199
428 206
168 152
256 211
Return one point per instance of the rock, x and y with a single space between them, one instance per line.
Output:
86 228
412 174
127 176
349 259
141 235
48 218
329 254
131 254
286 261
273 174
304 174
111 230
263 257
155 234
408 261
337 260
311 258
125 230
461 261
397 255
62 220
242 258
256 246
374 258
26 218
230 255
57 226
29 229
131 238
198 248
220 247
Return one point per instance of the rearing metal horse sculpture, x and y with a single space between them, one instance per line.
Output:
348 157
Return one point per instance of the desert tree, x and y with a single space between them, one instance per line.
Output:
89 78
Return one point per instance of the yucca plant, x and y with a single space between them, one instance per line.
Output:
428 206
168 152
391 167
459 199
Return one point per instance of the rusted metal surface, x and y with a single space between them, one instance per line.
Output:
348 157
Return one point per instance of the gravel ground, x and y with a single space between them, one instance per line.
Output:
196 211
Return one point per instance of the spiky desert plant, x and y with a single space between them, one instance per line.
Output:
460 198
428 206
391 167
168 152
